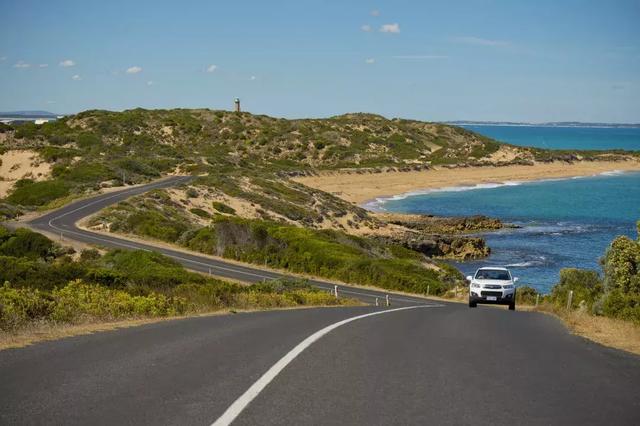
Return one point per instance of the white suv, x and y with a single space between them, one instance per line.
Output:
492 285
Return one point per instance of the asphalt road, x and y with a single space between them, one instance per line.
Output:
435 364
63 221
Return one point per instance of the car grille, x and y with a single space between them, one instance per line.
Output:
491 293
493 286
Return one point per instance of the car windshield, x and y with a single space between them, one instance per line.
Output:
493 274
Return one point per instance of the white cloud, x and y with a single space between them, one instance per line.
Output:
417 57
149 83
477 41
134 70
76 77
253 77
369 61
390 28
3 58
375 12
212 68
21 64
366 28
43 65
67 63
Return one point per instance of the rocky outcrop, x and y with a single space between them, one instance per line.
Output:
442 246
444 225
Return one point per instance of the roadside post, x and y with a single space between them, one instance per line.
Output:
387 298
537 299
428 288
569 299
335 291
377 301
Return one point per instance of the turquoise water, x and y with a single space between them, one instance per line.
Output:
564 223
564 137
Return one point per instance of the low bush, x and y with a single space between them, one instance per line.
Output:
44 285
30 193
527 295
25 243
223 208
586 286
201 213
78 301
19 306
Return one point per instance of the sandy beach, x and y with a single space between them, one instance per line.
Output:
359 188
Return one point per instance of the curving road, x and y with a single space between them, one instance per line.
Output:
63 222
413 363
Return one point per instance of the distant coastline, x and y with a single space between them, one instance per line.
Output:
365 188
548 124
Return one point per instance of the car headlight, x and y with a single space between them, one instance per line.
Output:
475 285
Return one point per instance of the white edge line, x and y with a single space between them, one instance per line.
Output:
245 399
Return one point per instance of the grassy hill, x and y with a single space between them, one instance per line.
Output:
244 163
101 148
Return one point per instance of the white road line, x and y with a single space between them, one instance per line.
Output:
245 399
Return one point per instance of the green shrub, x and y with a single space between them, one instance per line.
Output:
88 140
586 286
622 305
18 306
26 243
526 295
148 270
201 213
89 255
79 301
54 153
203 240
30 193
156 225
621 266
223 208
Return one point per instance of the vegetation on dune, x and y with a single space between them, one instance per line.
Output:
325 253
42 283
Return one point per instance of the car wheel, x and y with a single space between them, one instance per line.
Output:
512 306
472 304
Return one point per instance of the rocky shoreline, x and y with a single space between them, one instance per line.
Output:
442 237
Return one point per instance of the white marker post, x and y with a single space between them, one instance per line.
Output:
569 299
335 291
388 303
377 301
428 288
537 299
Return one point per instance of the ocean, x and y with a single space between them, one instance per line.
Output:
563 223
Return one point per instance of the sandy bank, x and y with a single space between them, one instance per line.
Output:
359 188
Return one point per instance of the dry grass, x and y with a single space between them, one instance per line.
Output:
615 333
44 331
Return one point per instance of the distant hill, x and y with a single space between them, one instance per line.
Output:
547 124
29 114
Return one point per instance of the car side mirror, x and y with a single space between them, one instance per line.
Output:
469 278
515 279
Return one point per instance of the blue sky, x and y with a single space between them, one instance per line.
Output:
482 60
